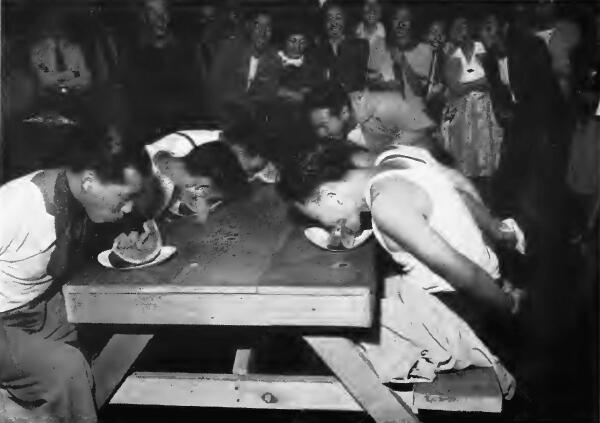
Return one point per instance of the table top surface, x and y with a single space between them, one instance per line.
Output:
246 246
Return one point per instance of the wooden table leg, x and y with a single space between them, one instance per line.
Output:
343 358
241 363
116 358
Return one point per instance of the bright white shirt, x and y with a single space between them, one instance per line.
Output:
27 240
546 35
504 76
357 137
178 144
450 217
252 70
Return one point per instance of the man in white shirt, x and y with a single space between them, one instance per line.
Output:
45 223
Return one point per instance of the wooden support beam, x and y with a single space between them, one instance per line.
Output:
241 363
346 362
468 390
292 308
235 391
114 361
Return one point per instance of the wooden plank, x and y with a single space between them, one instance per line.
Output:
167 289
475 390
233 391
353 371
114 361
220 309
241 363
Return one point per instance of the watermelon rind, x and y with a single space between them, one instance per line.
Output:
150 226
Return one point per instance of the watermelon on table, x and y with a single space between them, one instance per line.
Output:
135 249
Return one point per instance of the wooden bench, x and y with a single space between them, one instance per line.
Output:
472 390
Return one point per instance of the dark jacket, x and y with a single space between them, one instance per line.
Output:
530 181
349 66
228 78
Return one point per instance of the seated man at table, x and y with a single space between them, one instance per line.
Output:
419 218
196 172
45 222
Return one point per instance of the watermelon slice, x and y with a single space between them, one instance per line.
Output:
135 249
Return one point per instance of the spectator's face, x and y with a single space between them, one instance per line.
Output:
402 23
295 45
436 35
260 31
208 14
489 33
371 12
327 125
156 16
109 201
459 33
331 205
335 22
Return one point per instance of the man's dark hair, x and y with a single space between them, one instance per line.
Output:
107 149
328 161
328 96
216 161
244 127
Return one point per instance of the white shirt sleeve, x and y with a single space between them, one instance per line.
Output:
27 237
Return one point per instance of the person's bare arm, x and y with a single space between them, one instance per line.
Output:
397 213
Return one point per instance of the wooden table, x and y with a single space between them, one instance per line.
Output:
249 266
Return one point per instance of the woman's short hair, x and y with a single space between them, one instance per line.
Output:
216 161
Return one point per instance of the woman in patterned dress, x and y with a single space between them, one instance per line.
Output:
470 129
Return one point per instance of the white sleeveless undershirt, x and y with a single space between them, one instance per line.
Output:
450 216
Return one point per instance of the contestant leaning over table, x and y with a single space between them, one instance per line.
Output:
196 172
420 219
249 136
378 121
45 220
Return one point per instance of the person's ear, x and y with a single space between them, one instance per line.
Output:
345 113
88 180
